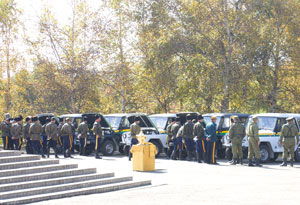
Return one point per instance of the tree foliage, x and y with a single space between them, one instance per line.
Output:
159 56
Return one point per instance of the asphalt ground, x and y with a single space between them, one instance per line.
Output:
183 182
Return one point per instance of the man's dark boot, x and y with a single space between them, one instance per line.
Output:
56 155
237 160
241 161
250 164
173 155
257 163
292 162
65 153
234 162
42 153
69 153
199 157
98 156
180 155
48 152
189 156
129 156
284 163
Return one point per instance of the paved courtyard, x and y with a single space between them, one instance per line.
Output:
182 182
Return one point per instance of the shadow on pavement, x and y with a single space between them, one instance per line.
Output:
157 171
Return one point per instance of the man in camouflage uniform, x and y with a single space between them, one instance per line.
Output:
199 133
35 132
177 140
188 136
169 139
253 143
98 133
60 138
44 135
287 139
16 131
66 134
51 132
27 135
82 135
135 129
6 135
236 135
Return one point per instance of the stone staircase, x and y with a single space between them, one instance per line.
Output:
26 179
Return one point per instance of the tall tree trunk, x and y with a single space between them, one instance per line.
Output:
7 94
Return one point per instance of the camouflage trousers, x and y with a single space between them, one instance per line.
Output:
253 148
237 150
288 147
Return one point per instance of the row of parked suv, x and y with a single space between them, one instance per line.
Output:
116 128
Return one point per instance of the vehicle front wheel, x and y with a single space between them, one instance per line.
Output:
158 148
126 150
108 148
275 157
265 153
297 154
221 153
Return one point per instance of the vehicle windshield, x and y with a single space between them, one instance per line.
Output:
265 123
114 121
160 122
208 120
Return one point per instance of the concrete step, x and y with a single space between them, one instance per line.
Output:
47 175
39 169
7 153
23 158
76 192
16 165
62 187
52 182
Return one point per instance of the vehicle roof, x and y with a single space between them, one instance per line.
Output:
70 115
172 114
123 114
285 115
163 115
45 114
226 114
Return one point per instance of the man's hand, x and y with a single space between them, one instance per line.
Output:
258 143
207 139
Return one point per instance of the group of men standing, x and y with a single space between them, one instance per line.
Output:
39 139
194 137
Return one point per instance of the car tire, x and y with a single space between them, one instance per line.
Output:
221 153
76 147
275 157
228 153
108 148
158 147
126 150
88 150
297 154
265 153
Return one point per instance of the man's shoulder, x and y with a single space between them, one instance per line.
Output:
285 126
